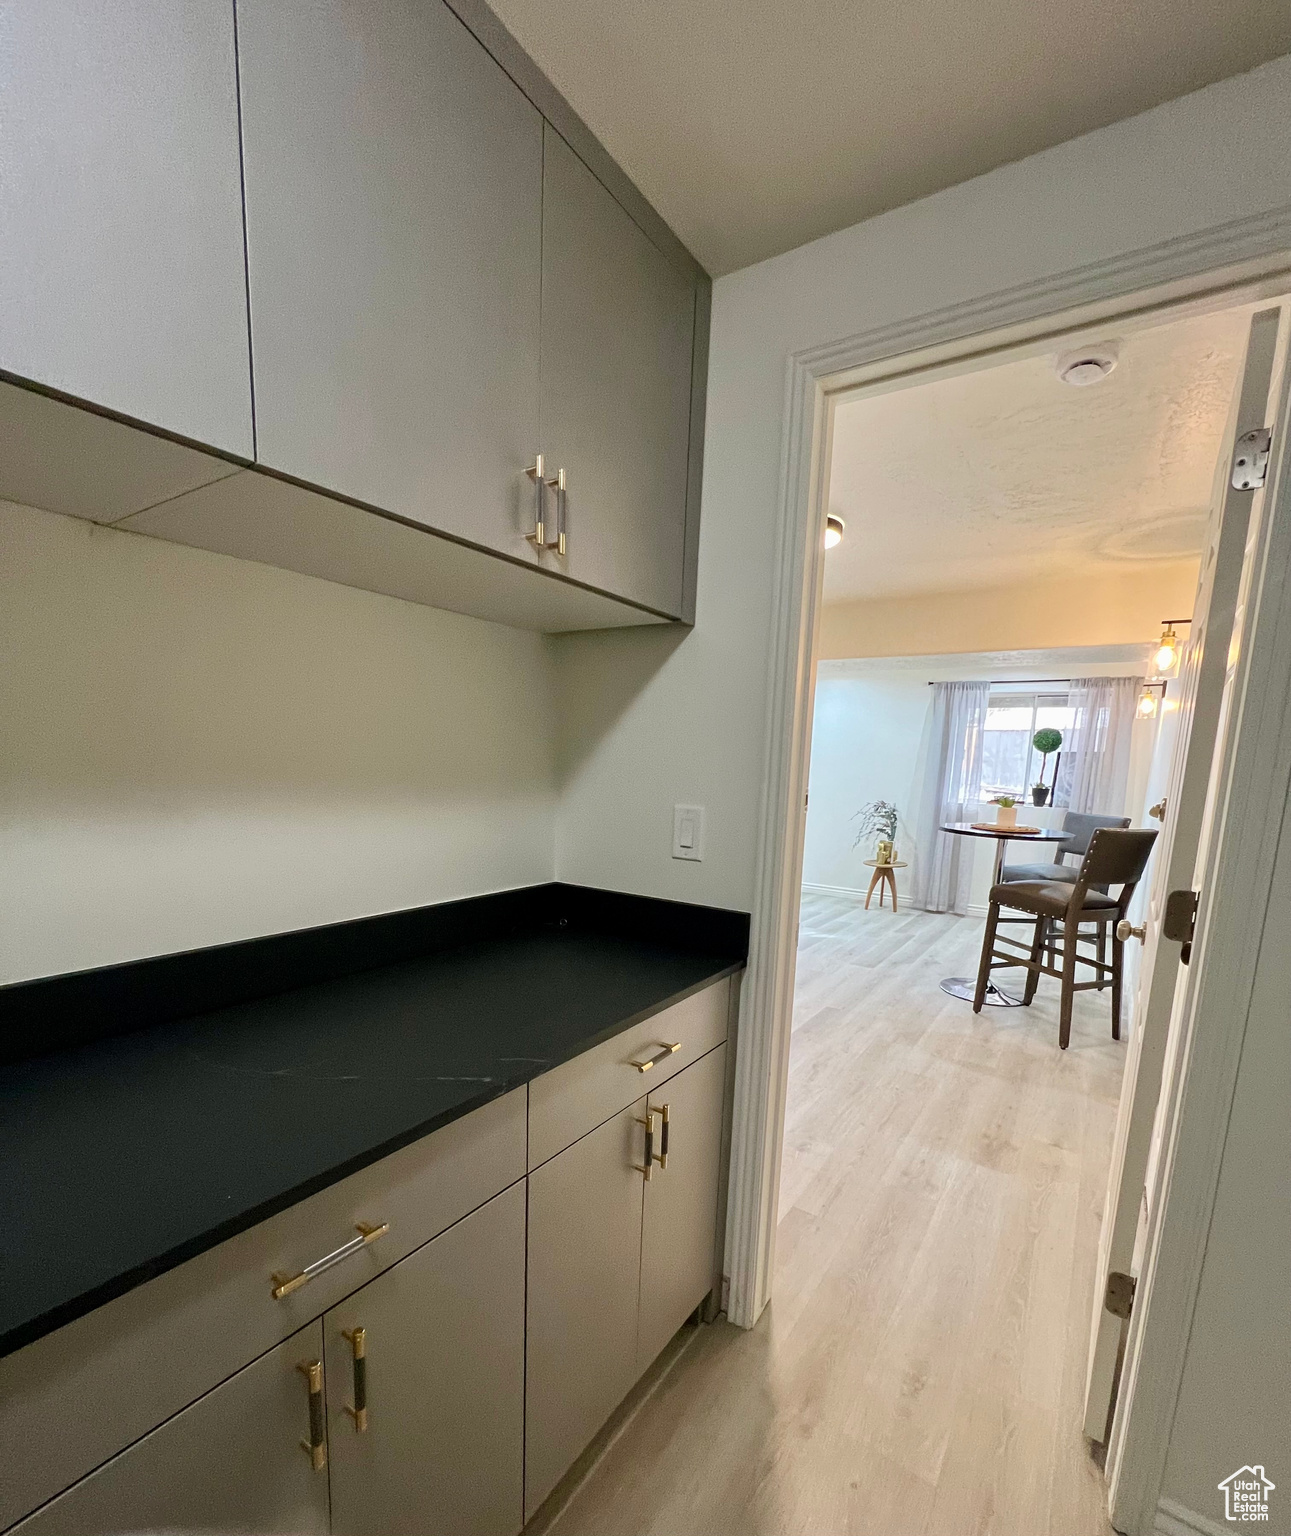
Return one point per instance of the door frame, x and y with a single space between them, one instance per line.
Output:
1248 259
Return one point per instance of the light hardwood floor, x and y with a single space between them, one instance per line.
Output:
921 1366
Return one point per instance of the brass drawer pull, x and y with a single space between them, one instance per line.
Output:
646 1169
316 1446
358 1341
284 1285
537 472
662 1054
663 1136
557 483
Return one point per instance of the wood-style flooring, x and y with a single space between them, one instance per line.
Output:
921 1366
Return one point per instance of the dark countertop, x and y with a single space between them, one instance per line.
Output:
125 1155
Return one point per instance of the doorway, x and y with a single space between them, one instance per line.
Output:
810 449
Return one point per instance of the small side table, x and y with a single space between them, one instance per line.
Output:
884 879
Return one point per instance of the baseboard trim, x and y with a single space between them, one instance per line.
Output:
1174 1519
833 890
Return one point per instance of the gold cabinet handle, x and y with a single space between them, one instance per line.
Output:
646 1169
537 472
283 1285
557 483
663 1135
316 1446
358 1341
662 1054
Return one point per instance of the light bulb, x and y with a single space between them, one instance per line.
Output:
1147 705
834 526
1168 653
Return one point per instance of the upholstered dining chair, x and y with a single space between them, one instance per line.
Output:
1116 856
1082 826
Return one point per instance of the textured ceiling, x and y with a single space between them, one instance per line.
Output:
1008 475
753 127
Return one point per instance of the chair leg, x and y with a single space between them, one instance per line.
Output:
988 947
1101 951
1069 941
1037 952
1118 951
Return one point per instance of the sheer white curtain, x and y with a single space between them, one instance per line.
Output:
951 791
1095 766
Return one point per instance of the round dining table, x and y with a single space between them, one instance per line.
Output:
966 986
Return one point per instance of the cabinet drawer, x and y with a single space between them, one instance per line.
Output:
573 1098
80 1395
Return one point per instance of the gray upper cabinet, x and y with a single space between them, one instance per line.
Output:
617 341
122 277
438 1372
394 228
233 1461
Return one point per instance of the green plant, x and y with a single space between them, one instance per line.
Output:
1005 800
879 817
1045 741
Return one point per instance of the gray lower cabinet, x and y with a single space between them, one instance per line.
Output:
584 1278
617 1262
122 280
617 339
439 1368
394 253
232 1462
677 1229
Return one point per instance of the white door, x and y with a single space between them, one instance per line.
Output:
1198 696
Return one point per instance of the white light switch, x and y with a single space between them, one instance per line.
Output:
688 832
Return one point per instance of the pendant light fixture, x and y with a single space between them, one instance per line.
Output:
834 527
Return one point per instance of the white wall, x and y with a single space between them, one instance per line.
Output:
199 749
693 729
865 744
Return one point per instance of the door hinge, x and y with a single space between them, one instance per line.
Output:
1180 920
1251 459
1119 1299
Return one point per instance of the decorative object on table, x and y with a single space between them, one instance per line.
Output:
879 817
1016 829
1006 811
1045 741
885 879
1115 856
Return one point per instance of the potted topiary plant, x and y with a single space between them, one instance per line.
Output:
1045 741
879 817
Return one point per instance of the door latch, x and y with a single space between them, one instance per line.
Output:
1180 920
1251 459
1119 1300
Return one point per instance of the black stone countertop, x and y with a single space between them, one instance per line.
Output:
126 1154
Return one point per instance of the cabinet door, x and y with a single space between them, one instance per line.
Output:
442 1370
617 333
122 278
584 1264
394 228
678 1232
233 1461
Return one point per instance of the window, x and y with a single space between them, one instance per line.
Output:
1010 764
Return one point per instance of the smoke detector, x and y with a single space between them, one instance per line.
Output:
1088 365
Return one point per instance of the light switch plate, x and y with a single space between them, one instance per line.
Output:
688 832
